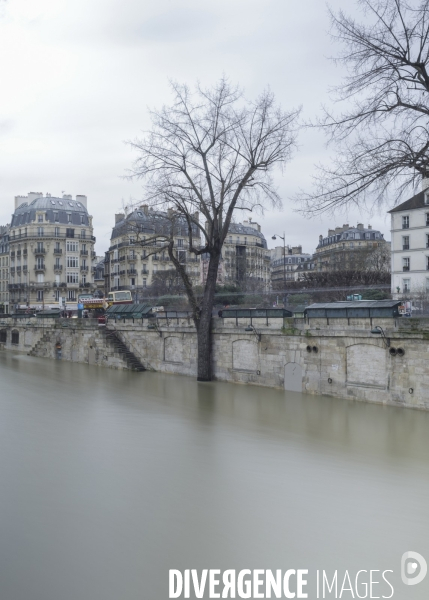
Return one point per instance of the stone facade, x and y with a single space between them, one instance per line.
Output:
245 258
51 245
349 248
338 358
4 268
138 250
289 267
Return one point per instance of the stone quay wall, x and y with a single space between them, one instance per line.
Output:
339 357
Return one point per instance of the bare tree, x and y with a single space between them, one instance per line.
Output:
210 153
381 137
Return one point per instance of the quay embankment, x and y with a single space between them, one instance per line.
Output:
335 357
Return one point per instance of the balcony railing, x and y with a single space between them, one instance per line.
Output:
406 268
131 272
40 268
58 267
39 251
407 246
84 269
58 251
405 225
84 252
52 234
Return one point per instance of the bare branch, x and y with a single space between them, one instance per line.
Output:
381 138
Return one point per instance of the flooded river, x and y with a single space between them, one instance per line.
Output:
109 479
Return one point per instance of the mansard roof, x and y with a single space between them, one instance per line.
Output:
149 221
26 212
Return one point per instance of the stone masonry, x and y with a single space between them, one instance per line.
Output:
339 357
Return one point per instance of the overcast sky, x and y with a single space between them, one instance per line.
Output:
77 78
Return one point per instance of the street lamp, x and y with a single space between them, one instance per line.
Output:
275 236
253 330
377 330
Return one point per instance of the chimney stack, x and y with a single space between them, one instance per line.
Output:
82 199
119 217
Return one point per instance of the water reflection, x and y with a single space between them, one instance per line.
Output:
111 478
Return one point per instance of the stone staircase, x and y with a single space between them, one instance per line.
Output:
36 349
113 338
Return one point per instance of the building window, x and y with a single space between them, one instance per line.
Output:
133 281
40 231
83 234
406 286
72 247
406 264
72 278
57 295
39 295
73 261
15 337
70 233
57 232
144 282
405 222
3 336
69 218
71 295
40 218
406 242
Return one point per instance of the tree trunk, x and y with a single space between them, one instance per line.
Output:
204 323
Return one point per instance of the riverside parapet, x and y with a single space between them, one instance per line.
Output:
340 357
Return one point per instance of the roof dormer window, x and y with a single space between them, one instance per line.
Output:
426 198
